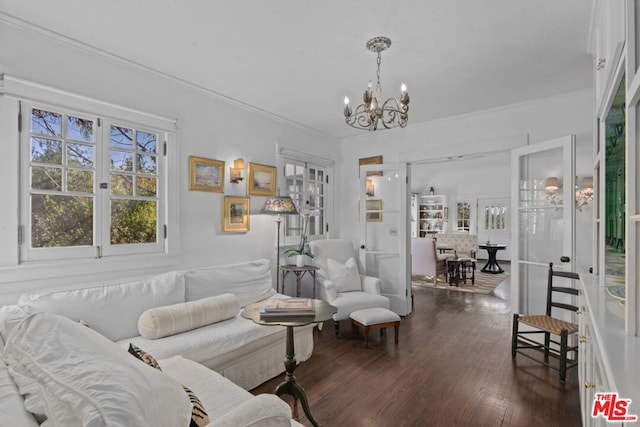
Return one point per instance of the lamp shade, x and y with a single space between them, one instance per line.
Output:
551 184
587 183
279 205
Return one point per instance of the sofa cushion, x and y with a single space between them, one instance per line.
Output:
348 302
345 276
168 320
228 405
249 281
111 310
207 342
10 316
199 417
12 408
72 376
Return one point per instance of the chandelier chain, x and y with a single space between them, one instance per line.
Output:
379 61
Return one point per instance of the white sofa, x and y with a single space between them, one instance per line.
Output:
464 244
57 372
240 350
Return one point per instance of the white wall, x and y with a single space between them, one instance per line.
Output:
212 128
207 127
497 130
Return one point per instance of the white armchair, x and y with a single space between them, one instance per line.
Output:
332 256
425 260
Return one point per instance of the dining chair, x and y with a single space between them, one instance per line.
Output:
548 325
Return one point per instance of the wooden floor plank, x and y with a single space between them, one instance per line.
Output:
453 367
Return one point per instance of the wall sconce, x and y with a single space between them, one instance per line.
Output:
370 190
551 184
584 194
235 172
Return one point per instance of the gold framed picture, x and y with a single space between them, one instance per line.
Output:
375 160
374 210
206 174
235 214
262 180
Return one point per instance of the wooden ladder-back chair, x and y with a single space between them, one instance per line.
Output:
548 325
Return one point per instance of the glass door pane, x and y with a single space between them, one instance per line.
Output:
544 204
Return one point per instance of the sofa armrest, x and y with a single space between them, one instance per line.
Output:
370 284
327 290
264 410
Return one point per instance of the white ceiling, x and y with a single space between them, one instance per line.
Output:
297 59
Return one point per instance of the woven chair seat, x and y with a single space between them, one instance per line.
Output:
548 324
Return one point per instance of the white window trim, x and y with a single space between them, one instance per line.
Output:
23 90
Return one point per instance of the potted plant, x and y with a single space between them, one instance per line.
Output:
302 248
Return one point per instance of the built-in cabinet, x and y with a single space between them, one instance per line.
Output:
609 346
432 214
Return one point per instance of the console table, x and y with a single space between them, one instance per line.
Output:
322 312
299 272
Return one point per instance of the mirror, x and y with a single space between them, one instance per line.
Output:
614 212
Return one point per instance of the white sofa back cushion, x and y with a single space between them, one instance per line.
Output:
112 310
73 376
249 281
168 320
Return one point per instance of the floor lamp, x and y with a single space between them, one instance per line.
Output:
278 205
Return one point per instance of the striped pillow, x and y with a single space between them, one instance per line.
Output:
199 417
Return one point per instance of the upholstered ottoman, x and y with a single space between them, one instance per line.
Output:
375 318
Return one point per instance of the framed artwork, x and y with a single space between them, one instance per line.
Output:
206 174
262 180
375 160
235 214
374 210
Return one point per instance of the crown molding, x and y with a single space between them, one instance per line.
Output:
85 47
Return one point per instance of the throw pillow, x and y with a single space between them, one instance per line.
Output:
144 356
168 320
345 276
199 417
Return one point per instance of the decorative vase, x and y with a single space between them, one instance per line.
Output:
299 260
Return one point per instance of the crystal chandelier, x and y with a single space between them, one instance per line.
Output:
373 111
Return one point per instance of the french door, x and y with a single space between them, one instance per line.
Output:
384 231
543 206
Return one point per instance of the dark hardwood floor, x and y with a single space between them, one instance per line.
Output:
453 367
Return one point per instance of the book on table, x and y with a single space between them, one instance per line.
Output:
282 307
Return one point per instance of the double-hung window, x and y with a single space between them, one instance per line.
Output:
91 186
306 181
